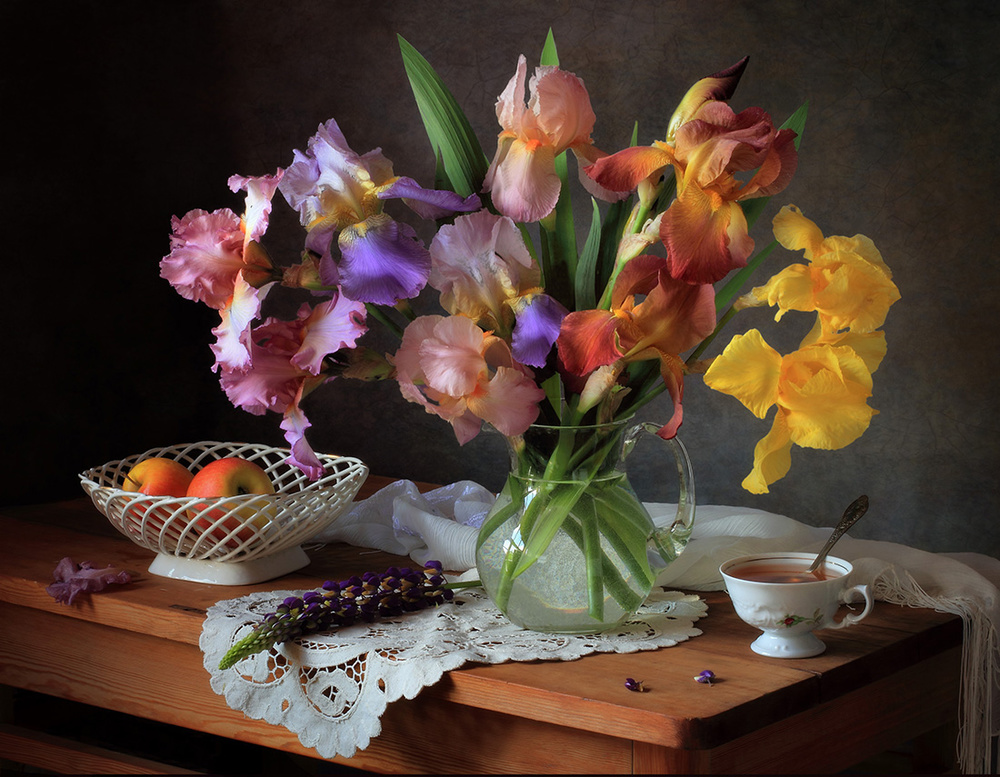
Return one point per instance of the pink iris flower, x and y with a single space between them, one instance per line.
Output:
672 317
260 190
215 258
484 271
708 144
232 335
287 364
206 256
522 177
339 192
465 376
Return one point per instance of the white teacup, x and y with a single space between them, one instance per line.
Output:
774 593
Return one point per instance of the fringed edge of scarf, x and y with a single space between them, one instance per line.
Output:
980 665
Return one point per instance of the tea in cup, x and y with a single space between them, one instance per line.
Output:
774 593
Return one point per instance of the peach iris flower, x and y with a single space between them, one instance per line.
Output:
466 376
480 264
484 271
708 144
821 392
522 177
672 317
846 281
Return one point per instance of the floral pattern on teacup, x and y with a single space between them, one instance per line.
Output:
794 620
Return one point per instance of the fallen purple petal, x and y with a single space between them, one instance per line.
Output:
72 579
634 685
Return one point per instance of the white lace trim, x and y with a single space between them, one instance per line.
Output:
332 689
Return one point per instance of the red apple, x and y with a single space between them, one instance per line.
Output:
158 477
231 476
155 477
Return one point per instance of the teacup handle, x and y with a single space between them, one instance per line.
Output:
845 598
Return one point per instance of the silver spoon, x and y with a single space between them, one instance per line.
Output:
852 514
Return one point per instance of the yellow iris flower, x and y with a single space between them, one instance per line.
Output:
821 392
846 281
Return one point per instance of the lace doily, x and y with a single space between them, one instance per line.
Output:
332 689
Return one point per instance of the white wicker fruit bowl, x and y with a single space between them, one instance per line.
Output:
235 540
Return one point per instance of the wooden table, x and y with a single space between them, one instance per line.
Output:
134 649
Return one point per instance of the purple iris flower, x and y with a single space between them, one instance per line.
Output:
536 327
336 190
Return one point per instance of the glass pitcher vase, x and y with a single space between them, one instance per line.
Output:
568 547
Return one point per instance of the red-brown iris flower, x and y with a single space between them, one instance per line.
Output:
672 317
708 145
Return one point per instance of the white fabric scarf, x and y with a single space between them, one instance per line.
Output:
443 525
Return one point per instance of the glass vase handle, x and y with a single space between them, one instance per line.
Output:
666 542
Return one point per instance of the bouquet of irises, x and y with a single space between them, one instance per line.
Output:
541 322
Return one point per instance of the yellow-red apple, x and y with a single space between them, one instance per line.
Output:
155 476
158 477
231 476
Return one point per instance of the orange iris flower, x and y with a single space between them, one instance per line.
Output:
672 317
707 144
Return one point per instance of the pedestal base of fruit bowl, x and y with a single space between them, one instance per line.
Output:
255 570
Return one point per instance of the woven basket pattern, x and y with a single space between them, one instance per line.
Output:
236 528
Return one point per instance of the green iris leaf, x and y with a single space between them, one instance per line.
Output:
451 136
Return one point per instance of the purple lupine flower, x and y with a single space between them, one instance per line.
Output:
364 598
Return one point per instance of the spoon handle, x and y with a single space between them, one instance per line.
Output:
852 515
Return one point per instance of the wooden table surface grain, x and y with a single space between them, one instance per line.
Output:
134 649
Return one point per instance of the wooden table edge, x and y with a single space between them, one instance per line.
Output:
464 686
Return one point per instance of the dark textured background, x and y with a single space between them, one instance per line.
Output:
119 115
